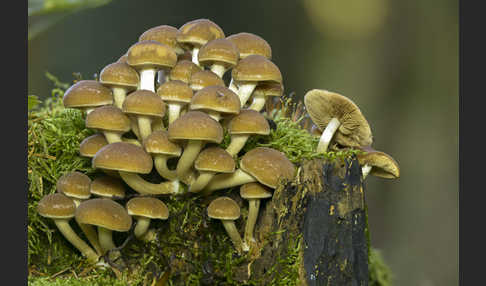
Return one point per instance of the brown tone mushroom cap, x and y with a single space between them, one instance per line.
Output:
158 143
86 94
164 34
122 156
255 191
267 165
219 51
104 213
119 74
56 206
382 164
216 98
249 121
269 88
108 187
196 125
198 32
215 159
224 208
251 44
202 79
144 102
323 105
75 185
91 144
256 68
147 207
175 91
109 118
151 54
183 71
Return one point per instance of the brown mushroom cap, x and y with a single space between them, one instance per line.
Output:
215 159
109 118
196 125
151 54
198 32
122 156
119 74
108 187
147 207
202 79
251 44
164 34
86 94
56 206
323 105
91 144
382 164
104 213
144 102
175 91
75 185
219 51
268 88
255 191
256 68
249 121
122 59
183 71
216 98
267 165
158 143
224 208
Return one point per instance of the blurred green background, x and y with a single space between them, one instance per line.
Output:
397 60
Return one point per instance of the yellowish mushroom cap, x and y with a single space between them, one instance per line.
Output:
382 164
109 118
183 71
224 208
158 143
144 102
104 213
151 54
87 94
147 207
119 74
216 98
249 121
256 68
164 34
219 51
74 185
56 206
91 144
269 88
255 190
251 44
175 91
122 156
215 159
202 79
198 32
108 187
196 125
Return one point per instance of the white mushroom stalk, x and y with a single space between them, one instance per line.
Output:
223 181
147 79
366 169
119 94
244 92
112 137
327 135
232 86
141 227
218 69
174 110
258 102
202 180
160 163
188 157
237 143
141 186
195 52
75 240
144 125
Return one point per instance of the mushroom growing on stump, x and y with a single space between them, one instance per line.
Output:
130 161
219 55
227 210
158 145
146 106
144 209
211 161
197 128
107 187
61 209
176 94
148 57
254 193
121 78
107 216
339 118
378 164
262 164
242 126
110 120
87 95
216 101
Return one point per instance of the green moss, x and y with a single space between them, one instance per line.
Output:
96 278
380 273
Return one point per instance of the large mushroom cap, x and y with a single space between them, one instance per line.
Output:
86 94
91 144
175 91
144 102
219 51
108 187
216 98
249 121
119 74
104 213
122 156
151 54
164 34
147 207
109 118
323 105
255 190
56 206
382 164
267 165
251 44
224 208
158 143
198 32
256 68
215 159
75 185
202 79
196 125
183 71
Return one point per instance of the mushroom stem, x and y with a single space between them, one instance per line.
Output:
237 143
188 156
327 134
119 94
112 137
214 115
244 92
161 77
258 102
160 163
232 86
366 169
106 239
147 79
144 126
92 236
141 186
142 226
134 126
233 233
201 181
253 207
223 181
174 111
73 238
132 141
195 52
218 69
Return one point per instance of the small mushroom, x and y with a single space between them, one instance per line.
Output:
61 209
227 210
183 71
121 78
209 162
219 55
107 187
339 118
176 94
87 95
378 164
110 120
216 101
248 122
144 209
203 78
91 144
254 193
161 148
